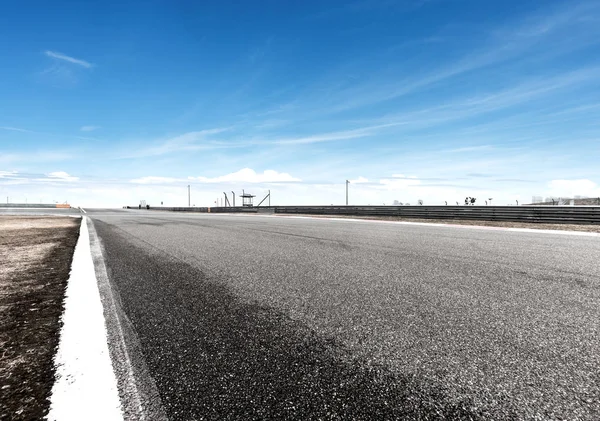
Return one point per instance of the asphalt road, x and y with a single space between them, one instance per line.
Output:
249 317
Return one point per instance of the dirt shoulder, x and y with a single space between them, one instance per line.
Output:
531 225
35 261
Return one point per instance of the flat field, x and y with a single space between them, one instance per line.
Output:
35 260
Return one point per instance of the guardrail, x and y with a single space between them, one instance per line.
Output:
537 214
534 214
197 209
36 205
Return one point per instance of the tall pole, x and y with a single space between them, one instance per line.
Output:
189 196
347 182
233 193
269 198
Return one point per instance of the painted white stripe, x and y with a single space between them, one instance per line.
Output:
82 210
133 405
85 386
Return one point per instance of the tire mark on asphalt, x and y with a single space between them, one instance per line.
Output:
139 397
214 356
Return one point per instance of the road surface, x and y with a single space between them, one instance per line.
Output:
250 317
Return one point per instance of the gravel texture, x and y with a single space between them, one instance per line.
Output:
241 317
35 259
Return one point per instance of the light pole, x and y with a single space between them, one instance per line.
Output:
233 193
189 196
347 182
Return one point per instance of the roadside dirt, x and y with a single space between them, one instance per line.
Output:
35 261
531 225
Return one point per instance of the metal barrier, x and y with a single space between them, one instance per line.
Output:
535 214
36 205
538 214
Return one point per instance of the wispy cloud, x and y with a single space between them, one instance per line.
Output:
14 129
15 177
333 136
155 180
35 157
190 141
246 175
8 174
64 57
471 149
511 45
89 128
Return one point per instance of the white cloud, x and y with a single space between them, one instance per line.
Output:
248 175
8 174
400 183
61 176
359 180
73 60
155 180
570 188
403 176
89 128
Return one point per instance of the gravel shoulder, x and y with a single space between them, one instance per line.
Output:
35 260
557 227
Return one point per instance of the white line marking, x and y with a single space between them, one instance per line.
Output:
85 386
82 210
134 400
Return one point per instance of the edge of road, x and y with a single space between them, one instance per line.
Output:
84 380
140 399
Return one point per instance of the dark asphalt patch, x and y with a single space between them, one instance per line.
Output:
31 301
214 356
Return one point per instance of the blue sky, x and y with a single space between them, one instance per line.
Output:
111 102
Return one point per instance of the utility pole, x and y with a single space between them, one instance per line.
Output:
189 196
347 182
233 193
269 198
